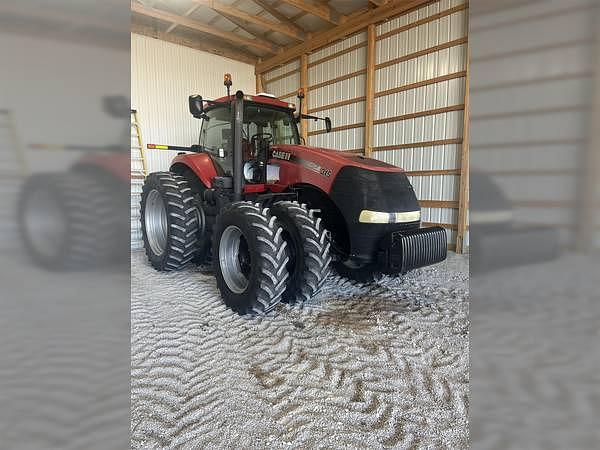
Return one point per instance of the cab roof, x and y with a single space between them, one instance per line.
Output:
262 99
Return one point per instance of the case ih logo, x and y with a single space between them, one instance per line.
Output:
281 155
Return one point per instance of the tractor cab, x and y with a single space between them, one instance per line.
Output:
243 128
266 122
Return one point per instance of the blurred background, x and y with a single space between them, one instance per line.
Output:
64 219
534 225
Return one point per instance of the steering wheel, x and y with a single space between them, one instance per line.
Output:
265 136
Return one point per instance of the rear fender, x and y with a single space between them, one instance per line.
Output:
199 163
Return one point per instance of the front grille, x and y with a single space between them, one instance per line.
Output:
416 248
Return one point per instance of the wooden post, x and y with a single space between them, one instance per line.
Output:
463 195
259 83
370 90
304 85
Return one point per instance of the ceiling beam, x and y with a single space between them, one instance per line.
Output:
320 10
278 15
378 2
231 11
354 23
258 44
185 14
194 43
243 26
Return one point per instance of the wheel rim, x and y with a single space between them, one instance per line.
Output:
234 259
44 223
155 218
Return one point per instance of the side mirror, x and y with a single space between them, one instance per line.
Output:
328 124
196 106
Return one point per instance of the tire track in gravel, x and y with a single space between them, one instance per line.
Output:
378 366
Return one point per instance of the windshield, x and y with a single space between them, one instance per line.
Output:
216 131
277 122
216 136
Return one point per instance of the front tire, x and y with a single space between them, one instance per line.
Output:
169 221
249 258
308 247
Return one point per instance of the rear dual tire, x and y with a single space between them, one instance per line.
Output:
170 221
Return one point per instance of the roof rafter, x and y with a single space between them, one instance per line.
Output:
321 10
197 44
355 22
231 11
204 28
240 24
271 9
188 13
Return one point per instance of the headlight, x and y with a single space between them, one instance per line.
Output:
367 216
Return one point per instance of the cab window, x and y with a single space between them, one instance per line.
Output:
215 136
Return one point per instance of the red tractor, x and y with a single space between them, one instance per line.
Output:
272 214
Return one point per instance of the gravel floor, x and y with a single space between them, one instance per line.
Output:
359 366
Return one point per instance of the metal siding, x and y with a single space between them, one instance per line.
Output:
347 63
278 71
341 140
439 95
423 158
338 66
340 116
342 90
338 46
163 75
287 85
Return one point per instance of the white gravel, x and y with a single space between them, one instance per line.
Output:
359 366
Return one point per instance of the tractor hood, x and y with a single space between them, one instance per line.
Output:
335 159
300 164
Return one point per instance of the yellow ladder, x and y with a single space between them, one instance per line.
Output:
138 156
139 170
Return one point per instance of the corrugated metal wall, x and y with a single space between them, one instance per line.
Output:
419 98
163 75
337 74
420 81
535 81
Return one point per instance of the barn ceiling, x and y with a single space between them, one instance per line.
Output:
245 30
